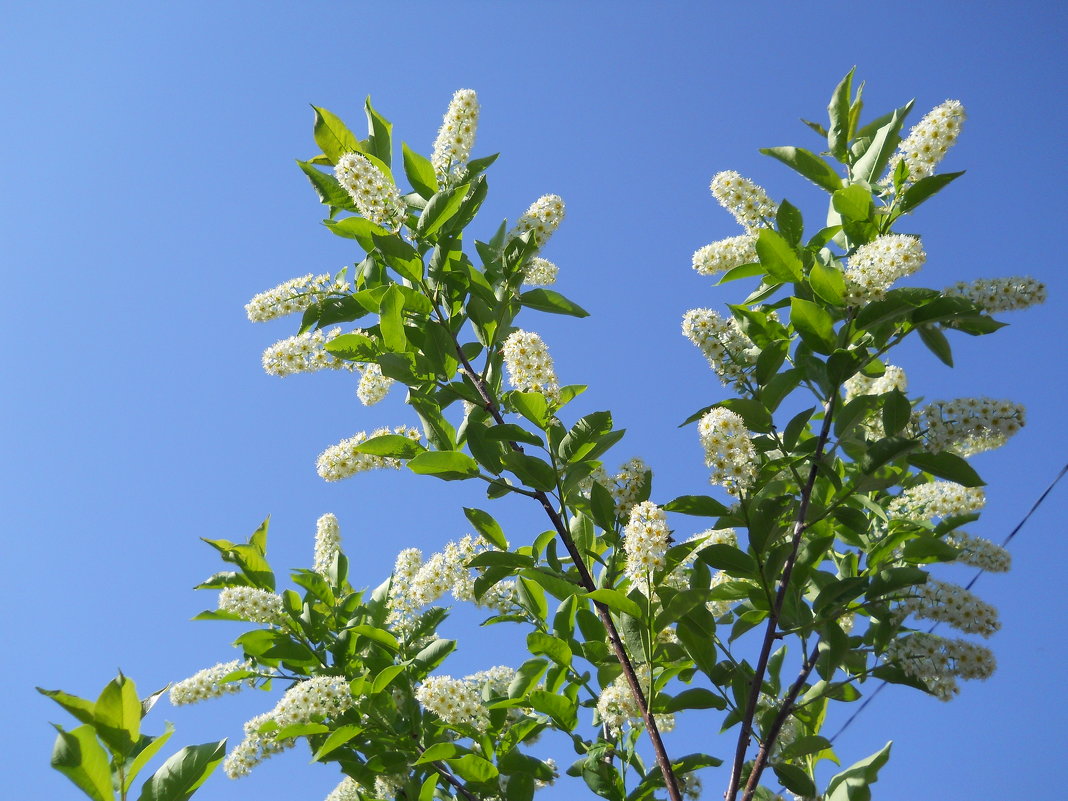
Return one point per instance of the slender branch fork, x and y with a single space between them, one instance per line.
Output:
620 651
771 631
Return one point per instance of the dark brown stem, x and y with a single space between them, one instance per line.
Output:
761 760
771 631
586 579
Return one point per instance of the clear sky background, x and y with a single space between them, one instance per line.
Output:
149 191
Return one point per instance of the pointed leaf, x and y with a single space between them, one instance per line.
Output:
547 300
332 136
180 776
420 172
808 164
79 756
446 465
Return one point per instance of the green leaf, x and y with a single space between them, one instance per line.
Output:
560 708
500 559
79 756
885 450
385 677
446 465
81 708
326 186
391 321
401 256
118 715
923 550
510 432
753 413
733 560
532 405
948 466
473 768
924 188
531 470
897 411
808 164
337 738
379 141
697 698
394 446
556 649
789 222
489 528
741 271
895 578
777 256
838 130
332 136
556 586
420 172
852 783
547 300
616 601
854 202
827 282
438 752
144 756
870 165
584 436
182 774
433 654
698 505
440 209
815 326
936 342
357 228
795 779
375 634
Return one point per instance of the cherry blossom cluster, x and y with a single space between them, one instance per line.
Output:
458 702
729 352
376 196
208 683
303 353
645 541
860 384
530 367
327 543
255 748
936 499
749 203
456 137
342 460
373 386
679 578
950 604
938 661
876 266
543 218
295 295
929 140
724 255
252 604
616 707
540 272
994 295
967 426
979 552
729 450
626 485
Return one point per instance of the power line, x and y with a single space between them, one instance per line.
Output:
970 584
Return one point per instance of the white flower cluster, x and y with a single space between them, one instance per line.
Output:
860 384
456 137
327 543
690 786
324 696
376 196
679 578
719 257
341 460
530 367
719 608
387 786
936 499
645 541
967 426
874 267
347 790
617 708
929 140
626 484
938 662
303 353
255 748
980 552
402 606
252 604
540 272
748 202
951 604
373 385
994 295
729 352
729 451
295 295
458 702
543 218
207 683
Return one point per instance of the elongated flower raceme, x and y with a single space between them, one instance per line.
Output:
373 386
860 384
929 140
875 267
729 451
543 218
994 295
208 683
530 367
748 202
540 272
303 353
293 296
456 701
719 257
979 552
938 661
967 426
729 352
935 500
327 543
645 541
456 137
376 196
343 460
252 604
616 707
255 748
950 604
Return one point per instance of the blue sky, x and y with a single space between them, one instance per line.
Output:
150 191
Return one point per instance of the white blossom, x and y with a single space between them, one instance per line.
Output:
530 367
967 426
936 499
729 450
252 604
729 351
456 701
726 254
874 267
373 386
950 604
645 541
456 137
376 196
860 384
979 552
208 683
929 140
539 272
342 460
543 218
617 708
327 543
294 295
748 202
938 662
303 353
627 484
994 295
